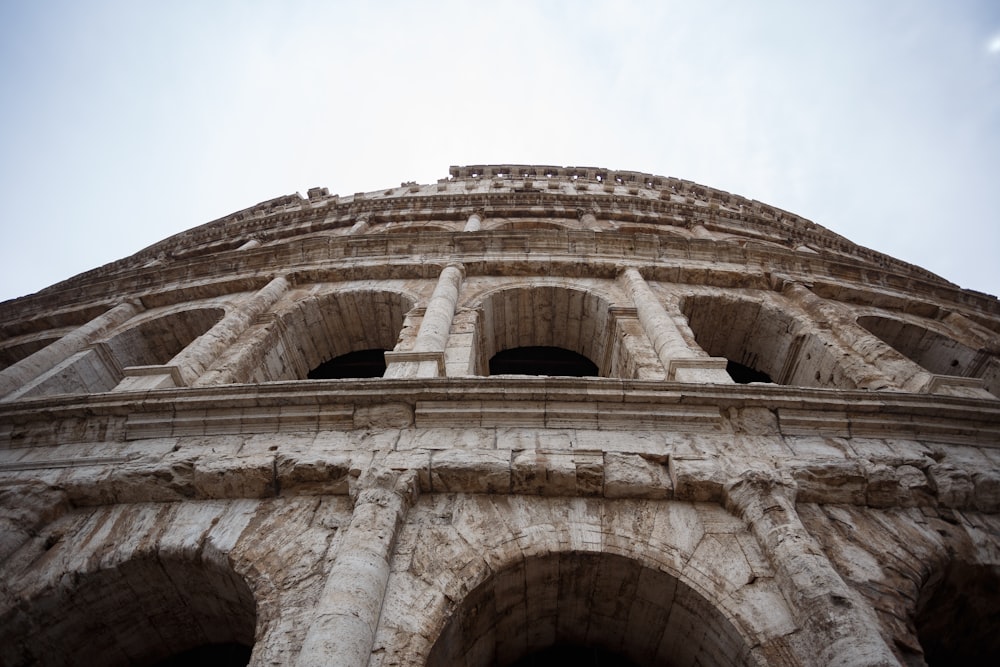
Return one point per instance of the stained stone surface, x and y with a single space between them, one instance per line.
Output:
172 484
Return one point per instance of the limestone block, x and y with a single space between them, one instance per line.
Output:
470 471
246 476
557 473
952 485
635 476
986 492
832 482
384 415
904 486
698 480
315 472
447 438
24 508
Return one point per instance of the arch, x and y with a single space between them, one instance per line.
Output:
504 224
955 620
318 329
159 339
654 228
602 601
141 611
931 350
150 341
14 352
545 315
762 341
416 227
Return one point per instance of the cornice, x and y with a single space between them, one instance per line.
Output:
578 403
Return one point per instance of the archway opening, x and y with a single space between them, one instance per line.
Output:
541 360
957 623
332 335
145 611
762 341
549 316
229 654
938 354
359 364
575 607
569 655
744 374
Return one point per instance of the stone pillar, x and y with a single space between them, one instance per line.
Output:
342 632
474 223
877 365
681 363
843 631
29 368
360 227
193 360
426 359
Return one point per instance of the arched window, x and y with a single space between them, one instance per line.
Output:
334 335
546 330
762 342
148 610
931 350
557 608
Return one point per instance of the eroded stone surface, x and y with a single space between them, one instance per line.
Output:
169 477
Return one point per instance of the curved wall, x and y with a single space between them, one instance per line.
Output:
160 437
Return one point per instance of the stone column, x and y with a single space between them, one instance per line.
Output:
426 359
193 360
359 227
29 368
878 365
342 632
843 631
474 223
681 363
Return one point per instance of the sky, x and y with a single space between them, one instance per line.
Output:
122 123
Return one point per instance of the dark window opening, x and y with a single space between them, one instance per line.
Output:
744 374
360 364
210 655
541 361
569 655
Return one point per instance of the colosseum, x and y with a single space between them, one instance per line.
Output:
525 415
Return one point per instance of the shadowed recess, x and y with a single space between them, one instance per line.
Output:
360 364
582 608
541 360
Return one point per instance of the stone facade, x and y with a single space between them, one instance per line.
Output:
170 477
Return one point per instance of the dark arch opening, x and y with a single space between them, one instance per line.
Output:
572 607
230 654
957 624
541 360
745 374
359 364
145 611
568 654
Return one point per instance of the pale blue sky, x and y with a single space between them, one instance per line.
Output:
122 123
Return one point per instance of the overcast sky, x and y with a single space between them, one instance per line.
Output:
122 123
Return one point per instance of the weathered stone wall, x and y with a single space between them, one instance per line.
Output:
170 479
